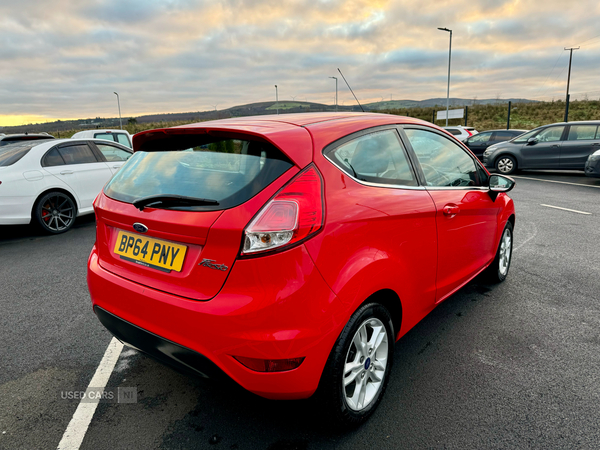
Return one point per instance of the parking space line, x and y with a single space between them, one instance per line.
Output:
80 422
554 181
567 209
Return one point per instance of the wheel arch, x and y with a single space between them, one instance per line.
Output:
54 189
390 300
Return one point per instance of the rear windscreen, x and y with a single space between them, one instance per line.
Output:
11 152
227 171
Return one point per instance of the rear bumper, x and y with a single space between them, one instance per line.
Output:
157 347
273 307
15 210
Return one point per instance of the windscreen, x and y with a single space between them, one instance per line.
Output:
10 154
12 139
226 171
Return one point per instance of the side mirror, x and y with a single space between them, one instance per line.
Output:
500 183
532 141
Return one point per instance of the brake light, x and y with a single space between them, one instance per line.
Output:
292 216
470 134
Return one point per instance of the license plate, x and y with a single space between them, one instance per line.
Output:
150 252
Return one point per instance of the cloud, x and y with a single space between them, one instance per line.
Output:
62 58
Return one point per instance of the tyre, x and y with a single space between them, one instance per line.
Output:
506 164
498 270
356 374
55 212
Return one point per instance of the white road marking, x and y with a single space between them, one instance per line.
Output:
535 231
80 422
553 181
566 209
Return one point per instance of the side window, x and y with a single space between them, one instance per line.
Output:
112 153
581 132
550 134
53 158
123 140
377 158
77 154
443 162
501 136
480 138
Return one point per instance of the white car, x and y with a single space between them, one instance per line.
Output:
52 182
121 136
461 133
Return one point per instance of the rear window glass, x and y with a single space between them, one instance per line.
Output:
10 154
454 131
228 171
13 139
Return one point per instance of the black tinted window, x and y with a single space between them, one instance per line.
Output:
77 154
454 131
377 158
53 158
229 171
444 163
500 136
10 154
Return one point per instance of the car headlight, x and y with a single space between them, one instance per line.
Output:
594 156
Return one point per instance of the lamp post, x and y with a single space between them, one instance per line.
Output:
276 99
567 98
449 60
119 104
336 93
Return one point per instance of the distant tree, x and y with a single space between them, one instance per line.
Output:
132 121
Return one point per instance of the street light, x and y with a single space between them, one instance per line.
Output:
336 97
119 103
449 59
276 99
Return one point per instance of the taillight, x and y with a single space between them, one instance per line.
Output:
470 134
292 216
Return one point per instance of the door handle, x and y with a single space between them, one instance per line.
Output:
451 210
596 143
116 167
66 172
556 145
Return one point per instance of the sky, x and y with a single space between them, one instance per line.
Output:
62 59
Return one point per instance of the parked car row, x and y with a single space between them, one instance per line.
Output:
554 146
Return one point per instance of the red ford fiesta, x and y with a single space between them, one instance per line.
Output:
291 252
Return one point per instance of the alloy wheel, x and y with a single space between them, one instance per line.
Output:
57 212
365 364
505 252
505 165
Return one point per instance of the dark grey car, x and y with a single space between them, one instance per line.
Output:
555 146
478 143
592 166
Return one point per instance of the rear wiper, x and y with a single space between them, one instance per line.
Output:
167 201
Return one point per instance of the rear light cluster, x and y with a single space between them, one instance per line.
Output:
293 215
269 365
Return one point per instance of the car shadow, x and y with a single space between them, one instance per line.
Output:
31 231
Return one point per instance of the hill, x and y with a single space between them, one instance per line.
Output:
482 114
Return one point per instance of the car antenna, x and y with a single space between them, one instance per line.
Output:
363 109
